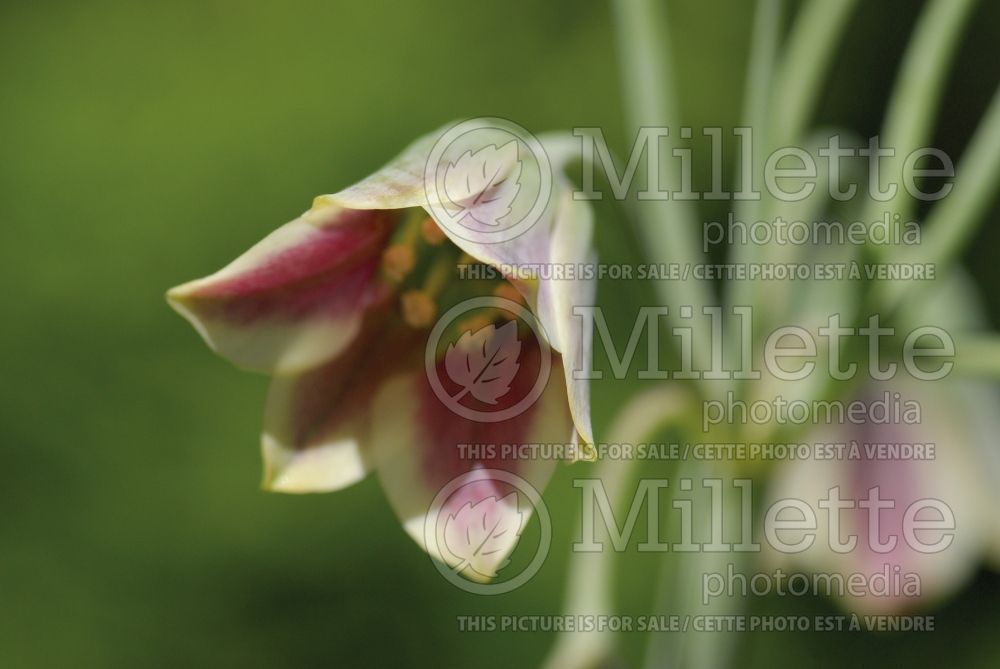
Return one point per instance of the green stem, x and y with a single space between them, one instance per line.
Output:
590 580
805 61
794 94
669 227
952 222
680 592
589 587
978 355
756 92
914 101
756 109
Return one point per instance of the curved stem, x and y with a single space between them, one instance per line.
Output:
794 94
805 61
589 583
951 222
756 109
756 92
978 355
668 227
680 593
914 102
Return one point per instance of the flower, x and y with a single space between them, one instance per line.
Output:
337 306
949 478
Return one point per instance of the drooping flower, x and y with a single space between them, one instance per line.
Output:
338 306
930 455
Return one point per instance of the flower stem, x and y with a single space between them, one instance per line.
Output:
680 591
669 227
590 581
756 93
804 62
914 101
952 221
978 356
791 91
756 109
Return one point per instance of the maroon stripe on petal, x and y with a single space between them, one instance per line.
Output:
443 430
328 271
342 390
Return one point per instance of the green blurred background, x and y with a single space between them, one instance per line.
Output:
147 143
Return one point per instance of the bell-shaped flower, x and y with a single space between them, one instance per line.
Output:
924 450
905 508
405 333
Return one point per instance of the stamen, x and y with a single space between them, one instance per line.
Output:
419 308
442 272
507 291
431 232
398 260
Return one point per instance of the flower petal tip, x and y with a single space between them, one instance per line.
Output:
324 468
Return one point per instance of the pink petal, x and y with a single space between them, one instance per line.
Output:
316 435
295 299
572 246
418 443
954 476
